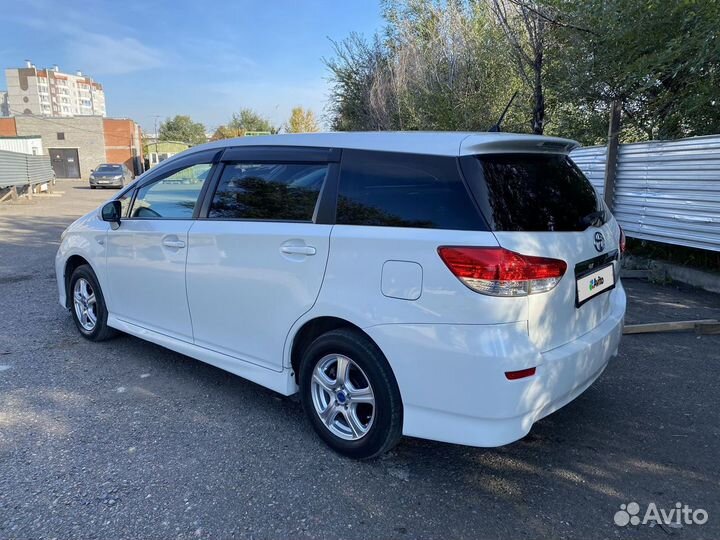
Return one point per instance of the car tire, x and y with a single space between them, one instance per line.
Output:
339 409
92 187
87 305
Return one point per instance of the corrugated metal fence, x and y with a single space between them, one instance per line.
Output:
18 169
665 191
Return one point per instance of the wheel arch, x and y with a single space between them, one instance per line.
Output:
311 330
71 264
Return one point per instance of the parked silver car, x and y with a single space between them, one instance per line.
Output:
110 175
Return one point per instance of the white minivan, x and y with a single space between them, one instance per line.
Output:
450 286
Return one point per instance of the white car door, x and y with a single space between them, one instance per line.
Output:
146 254
257 254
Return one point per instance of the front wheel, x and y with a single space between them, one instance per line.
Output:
350 395
87 305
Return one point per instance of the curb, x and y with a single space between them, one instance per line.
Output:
664 271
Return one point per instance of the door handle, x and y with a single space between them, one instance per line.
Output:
298 250
173 243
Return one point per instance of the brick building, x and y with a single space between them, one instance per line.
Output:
78 144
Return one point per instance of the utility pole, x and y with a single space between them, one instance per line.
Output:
157 136
612 153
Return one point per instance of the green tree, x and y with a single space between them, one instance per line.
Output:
438 65
242 122
249 120
453 65
301 121
224 132
660 59
182 128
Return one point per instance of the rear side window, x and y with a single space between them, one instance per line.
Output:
404 190
532 192
268 191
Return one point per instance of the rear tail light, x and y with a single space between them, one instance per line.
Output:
622 240
500 272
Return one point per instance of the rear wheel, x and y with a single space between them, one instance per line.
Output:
350 395
87 305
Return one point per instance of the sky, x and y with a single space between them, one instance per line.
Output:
205 58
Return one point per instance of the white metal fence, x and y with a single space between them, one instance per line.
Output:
665 191
18 169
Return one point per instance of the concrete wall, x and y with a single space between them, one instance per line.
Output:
85 133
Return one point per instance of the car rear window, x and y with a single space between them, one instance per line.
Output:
532 192
404 190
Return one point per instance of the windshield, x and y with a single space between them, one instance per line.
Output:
533 192
109 168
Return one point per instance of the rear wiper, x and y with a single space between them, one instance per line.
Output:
593 218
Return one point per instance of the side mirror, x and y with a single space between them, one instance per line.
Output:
92 170
111 212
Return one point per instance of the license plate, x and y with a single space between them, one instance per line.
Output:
594 283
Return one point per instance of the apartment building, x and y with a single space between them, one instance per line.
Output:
50 92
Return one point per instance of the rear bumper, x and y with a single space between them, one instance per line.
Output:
452 377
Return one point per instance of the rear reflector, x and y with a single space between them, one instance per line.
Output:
521 374
498 271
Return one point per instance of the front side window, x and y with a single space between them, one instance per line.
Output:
125 200
404 190
268 191
172 197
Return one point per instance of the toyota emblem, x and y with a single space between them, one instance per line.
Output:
599 242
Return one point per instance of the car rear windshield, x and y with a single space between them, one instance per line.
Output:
532 192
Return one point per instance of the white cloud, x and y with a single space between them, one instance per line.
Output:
106 55
114 53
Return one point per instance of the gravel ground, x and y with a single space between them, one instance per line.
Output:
124 439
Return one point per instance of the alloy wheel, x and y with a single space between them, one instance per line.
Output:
85 304
343 397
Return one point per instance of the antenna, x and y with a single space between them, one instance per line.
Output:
496 127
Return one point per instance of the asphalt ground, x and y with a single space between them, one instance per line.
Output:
124 439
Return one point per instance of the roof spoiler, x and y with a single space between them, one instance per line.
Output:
516 144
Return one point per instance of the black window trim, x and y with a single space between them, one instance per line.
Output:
280 154
324 212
